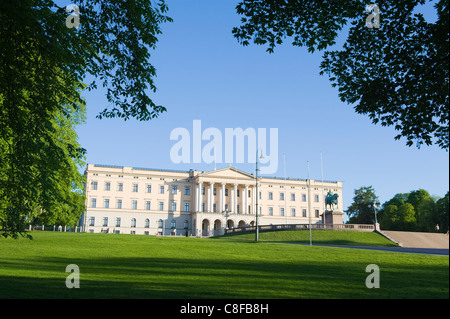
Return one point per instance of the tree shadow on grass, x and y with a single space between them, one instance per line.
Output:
184 278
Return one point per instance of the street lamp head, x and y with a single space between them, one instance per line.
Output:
261 157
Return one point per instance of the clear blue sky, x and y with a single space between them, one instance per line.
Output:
203 73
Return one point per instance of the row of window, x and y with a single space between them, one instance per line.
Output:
187 191
160 223
135 188
134 206
294 213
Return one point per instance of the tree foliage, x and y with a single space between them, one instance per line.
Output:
397 74
414 211
362 210
43 66
401 217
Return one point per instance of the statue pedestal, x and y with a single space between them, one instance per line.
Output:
334 217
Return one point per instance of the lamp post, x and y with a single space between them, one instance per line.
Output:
257 196
375 213
226 219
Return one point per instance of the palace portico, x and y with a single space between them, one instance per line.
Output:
223 198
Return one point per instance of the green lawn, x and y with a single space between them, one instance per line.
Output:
318 237
132 266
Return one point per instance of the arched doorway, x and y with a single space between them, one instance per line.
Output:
241 223
205 227
230 223
217 227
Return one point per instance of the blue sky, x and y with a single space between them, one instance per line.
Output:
203 73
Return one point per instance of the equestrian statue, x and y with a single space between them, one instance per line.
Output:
331 199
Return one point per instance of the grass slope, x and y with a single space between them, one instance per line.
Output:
318 237
131 266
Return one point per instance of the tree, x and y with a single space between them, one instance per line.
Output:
399 217
416 210
44 64
441 212
361 211
397 74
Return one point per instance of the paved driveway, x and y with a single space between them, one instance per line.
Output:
429 251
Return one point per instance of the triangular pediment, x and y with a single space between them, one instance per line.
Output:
228 173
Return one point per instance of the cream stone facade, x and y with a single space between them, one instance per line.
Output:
132 200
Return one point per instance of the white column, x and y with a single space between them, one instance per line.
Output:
234 199
245 199
254 200
208 199
222 198
196 197
211 190
200 196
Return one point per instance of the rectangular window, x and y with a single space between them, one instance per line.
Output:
174 189
106 203
270 195
303 197
135 188
203 190
119 204
94 186
226 191
214 208
147 205
161 189
148 188
316 213
93 202
91 221
105 221
214 191
174 206
118 222
187 191
293 197
281 211
133 223
134 204
281 196
186 206
304 212
270 211
107 186
161 206
203 207
293 212
316 198
120 187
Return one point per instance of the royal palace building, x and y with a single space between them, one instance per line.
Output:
131 200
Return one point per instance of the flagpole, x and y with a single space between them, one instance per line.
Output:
285 190
323 197
215 154
309 207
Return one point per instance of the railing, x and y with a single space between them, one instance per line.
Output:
355 227
58 228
